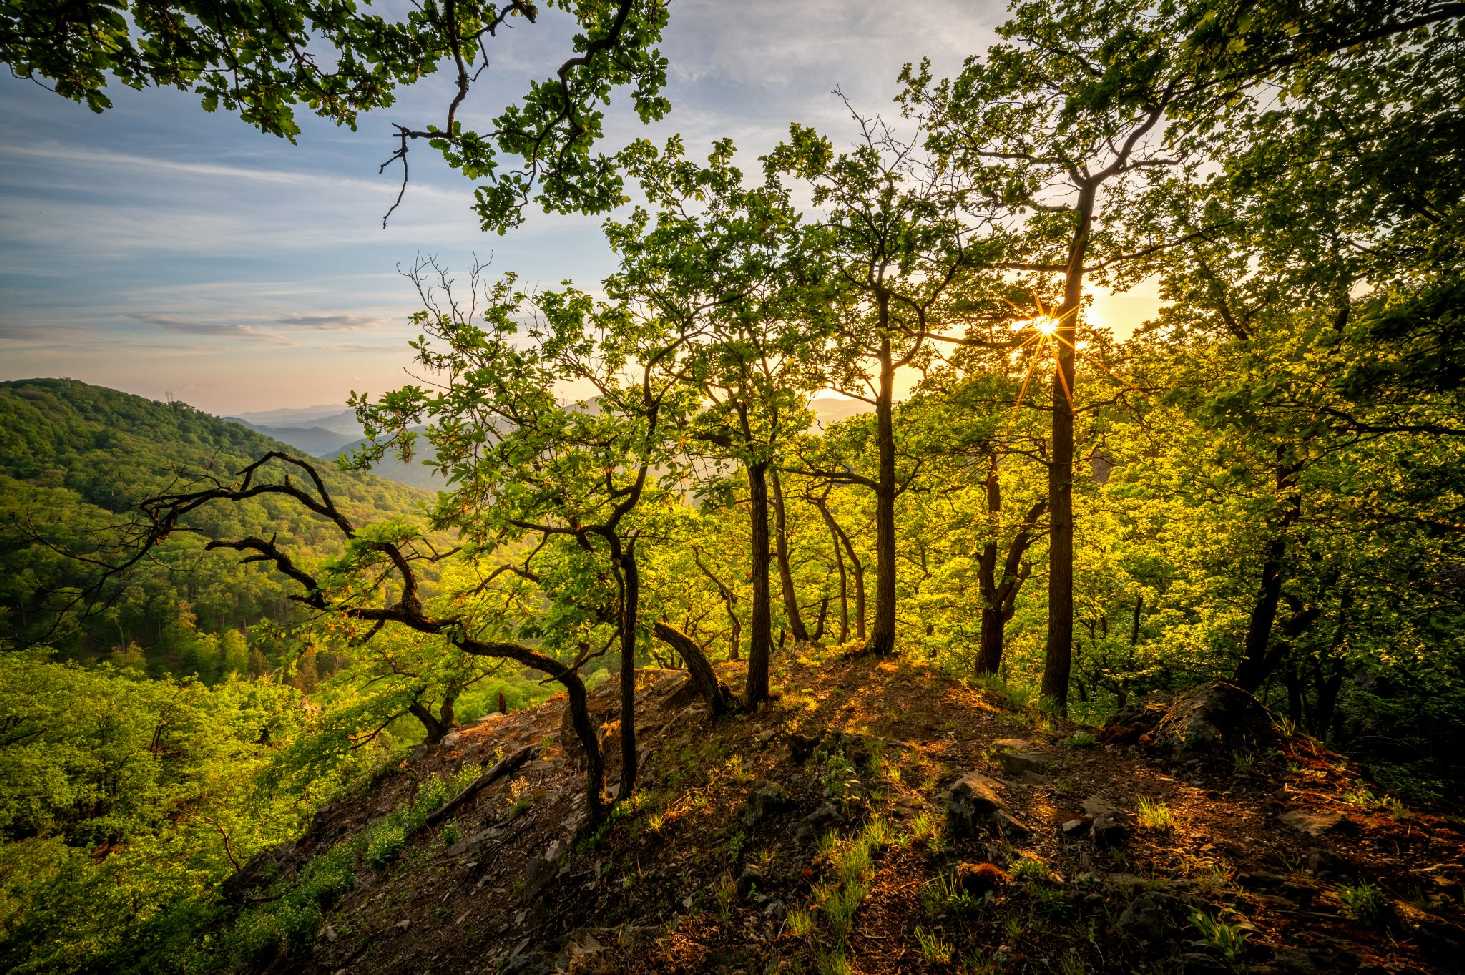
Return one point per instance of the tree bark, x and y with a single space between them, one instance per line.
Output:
785 570
760 638
1259 655
699 670
630 604
436 729
856 568
882 637
999 594
1058 654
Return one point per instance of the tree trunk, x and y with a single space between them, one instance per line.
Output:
785 570
882 637
630 604
999 595
842 547
577 700
989 656
1259 657
729 603
1058 654
699 671
436 730
760 639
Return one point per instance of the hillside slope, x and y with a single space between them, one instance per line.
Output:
76 459
820 834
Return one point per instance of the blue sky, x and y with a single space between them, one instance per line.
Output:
165 251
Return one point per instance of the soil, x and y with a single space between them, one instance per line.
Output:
744 830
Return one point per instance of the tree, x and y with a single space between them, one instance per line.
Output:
900 239
265 60
1062 120
733 272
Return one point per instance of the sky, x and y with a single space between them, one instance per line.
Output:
165 251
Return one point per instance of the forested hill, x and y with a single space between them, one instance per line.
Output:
74 461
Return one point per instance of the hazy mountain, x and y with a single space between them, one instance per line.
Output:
316 441
328 416
417 474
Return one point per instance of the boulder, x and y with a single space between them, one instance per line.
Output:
1212 721
1075 829
974 807
1317 823
1152 917
1110 830
767 800
1017 757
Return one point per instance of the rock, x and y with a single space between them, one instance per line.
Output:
1260 880
770 798
972 804
1110 830
800 747
1152 916
1212 721
818 822
1294 961
980 879
603 708
1317 823
775 910
750 878
683 695
403 924
1017 757
1095 806
1322 863
1131 724
1075 829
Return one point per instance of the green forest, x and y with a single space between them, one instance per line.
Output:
1054 646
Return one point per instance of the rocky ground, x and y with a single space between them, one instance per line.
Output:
880 817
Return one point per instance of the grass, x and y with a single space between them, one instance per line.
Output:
1082 739
1030 870
942 898
1155 815
934 949
852 862
1228 940
1365 904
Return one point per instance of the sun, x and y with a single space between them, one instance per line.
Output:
1045 324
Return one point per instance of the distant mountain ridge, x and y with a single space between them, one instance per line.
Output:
316 441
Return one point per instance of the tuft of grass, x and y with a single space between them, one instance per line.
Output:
450 834
1365 904
1082 739
1228 940
1030 870
1243 763
1072 964
1155 815
925 829
934 949
726 893
942 898
801 923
